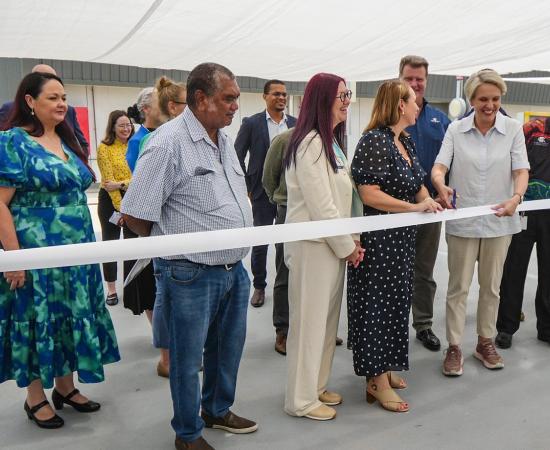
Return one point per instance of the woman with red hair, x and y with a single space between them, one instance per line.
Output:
319 187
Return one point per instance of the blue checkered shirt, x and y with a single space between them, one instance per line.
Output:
184 183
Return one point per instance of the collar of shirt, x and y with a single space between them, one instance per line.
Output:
198 132
269 118
467 123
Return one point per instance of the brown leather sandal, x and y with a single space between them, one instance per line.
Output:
387 398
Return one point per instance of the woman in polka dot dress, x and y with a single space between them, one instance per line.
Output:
389 179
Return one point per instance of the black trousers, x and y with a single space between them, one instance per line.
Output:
263 214
280 288
109 231
515 272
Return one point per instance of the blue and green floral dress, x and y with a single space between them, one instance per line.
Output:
57 323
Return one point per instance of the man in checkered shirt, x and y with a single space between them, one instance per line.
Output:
189 179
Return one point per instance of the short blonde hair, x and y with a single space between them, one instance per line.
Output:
480 77
385 111
168 90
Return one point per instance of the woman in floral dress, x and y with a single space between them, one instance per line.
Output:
53 322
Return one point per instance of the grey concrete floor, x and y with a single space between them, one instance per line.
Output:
506 409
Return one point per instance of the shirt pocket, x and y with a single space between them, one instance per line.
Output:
202 190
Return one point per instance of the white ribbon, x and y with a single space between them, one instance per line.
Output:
150 247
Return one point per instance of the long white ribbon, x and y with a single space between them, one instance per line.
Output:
97 252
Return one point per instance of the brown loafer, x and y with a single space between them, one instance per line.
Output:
162 371
197 444
230 422
258 298
280 344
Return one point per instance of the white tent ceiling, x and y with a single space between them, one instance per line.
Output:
289 39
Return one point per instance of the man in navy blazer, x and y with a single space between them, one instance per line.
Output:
71 119
254 137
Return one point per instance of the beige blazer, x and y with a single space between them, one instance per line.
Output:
316 192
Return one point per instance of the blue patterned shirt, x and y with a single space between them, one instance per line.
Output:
184 183
428 134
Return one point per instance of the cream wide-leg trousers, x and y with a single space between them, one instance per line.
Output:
490 254
315 285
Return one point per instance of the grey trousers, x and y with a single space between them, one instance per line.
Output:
427 245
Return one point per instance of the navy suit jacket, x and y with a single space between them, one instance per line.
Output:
70 118
253 137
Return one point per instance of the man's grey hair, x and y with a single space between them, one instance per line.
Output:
206 78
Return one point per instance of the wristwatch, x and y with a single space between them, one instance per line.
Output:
520 197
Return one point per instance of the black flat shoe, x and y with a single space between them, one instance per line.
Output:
429 339
503 340
112 299
87 407
52 422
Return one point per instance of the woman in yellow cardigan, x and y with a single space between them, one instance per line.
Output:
115 177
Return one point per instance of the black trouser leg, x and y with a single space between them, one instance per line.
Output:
542 298
513 279
109 231
280 288
263 214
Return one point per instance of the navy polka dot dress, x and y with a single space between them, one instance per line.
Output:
380 289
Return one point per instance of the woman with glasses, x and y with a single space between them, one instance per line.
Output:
146 112
389 180
319 187
115 176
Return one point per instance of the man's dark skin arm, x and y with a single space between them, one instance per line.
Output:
139 226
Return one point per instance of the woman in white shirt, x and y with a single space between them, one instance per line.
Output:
486 158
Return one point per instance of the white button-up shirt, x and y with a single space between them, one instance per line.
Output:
480 169
273 128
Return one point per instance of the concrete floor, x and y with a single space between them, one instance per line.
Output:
507 409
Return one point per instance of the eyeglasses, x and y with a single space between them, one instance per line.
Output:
178 103
125 125
342 96
278 94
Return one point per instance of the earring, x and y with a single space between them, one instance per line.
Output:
32 111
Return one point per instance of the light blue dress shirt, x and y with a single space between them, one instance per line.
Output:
481 172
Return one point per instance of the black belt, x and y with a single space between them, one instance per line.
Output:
227 267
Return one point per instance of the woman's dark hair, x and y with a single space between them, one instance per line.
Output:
316 114
134 114
21 115
110 133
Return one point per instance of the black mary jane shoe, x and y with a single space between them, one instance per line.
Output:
52 422
87 407
112 299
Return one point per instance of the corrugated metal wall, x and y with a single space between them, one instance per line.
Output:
441 88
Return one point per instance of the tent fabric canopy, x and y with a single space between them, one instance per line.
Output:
287 39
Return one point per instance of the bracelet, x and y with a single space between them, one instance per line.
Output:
520 197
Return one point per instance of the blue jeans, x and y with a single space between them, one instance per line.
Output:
204 308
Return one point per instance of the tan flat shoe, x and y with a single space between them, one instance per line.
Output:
396 381
387 398
330 398
322 412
